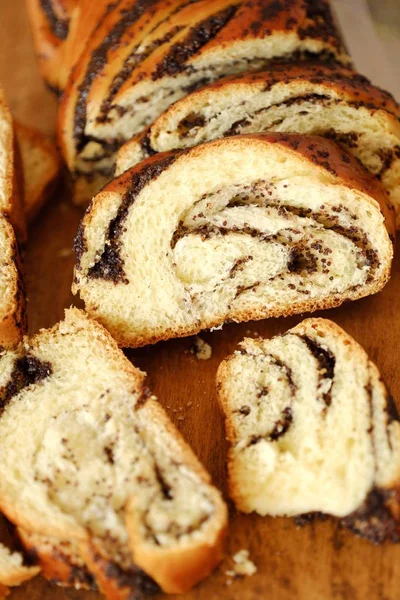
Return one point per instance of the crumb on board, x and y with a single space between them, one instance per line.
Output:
243 566
201 349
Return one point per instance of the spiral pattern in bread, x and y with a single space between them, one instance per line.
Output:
102 467
318 99
143 56
242 228
312 428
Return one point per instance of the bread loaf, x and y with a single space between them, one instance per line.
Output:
102 467
312 429
319 99
241 228
143 56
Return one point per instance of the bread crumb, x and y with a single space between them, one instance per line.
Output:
243 566
64 252
201 349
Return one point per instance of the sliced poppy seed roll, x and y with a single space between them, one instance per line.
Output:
143 56
102 468
312 429
319 99
241 228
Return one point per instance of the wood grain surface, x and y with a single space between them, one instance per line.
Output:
320 561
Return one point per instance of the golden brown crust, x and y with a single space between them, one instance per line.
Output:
13 324
319 151
255 21
337 79
84 20
59 561
4 591
234 22
50 23
337 166
41 165
329 156
200 559
11 204
350 84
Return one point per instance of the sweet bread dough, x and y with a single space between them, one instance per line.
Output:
102 466
318 99
312 428
143 56
241 228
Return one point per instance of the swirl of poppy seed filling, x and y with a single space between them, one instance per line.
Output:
182 70
59 26
275 387
98 153
283 418
172 503
242 242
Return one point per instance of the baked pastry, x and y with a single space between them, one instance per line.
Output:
12 304
13 572
144 56
12 292
41 167
241 228
11 198
318 99
312 429
103 467
50 21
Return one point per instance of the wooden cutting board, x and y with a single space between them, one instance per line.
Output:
318 562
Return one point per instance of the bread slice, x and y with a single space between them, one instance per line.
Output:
145 56
50 25
241 228
102 466
312 429
41 167
319 99
11 182
12 292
